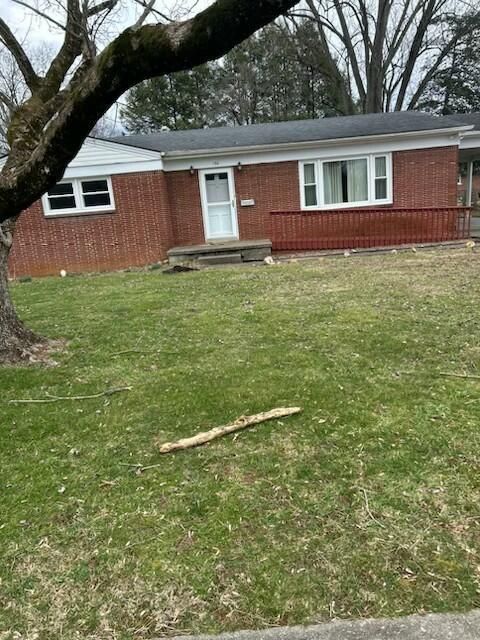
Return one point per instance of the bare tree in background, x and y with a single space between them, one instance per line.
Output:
381 55
90 71
13 92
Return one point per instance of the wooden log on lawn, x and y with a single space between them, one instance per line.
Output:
218 432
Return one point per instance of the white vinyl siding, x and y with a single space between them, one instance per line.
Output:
346 182
79 196
96 152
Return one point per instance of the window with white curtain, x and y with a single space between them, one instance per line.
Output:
346 182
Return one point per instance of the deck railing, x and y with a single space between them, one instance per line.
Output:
355 228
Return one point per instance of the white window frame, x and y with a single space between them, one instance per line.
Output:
371 178
78 194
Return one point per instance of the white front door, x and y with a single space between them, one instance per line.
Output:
218 202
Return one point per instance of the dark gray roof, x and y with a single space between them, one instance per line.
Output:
286 132
465 118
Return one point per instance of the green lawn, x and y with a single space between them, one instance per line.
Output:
366 504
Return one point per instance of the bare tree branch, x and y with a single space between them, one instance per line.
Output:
146 12
337 82
351 50
435 67
39 13
16 49
107 5
429 10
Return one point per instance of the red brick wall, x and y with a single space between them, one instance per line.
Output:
422 178
185 207
272 186
425 178
138 232
155 211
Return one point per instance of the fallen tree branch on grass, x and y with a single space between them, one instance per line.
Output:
49 398
218 432
470 376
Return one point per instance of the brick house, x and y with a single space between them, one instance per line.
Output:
345 182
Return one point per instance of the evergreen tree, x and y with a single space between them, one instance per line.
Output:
177 101
273 76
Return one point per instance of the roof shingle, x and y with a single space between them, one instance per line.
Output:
335 128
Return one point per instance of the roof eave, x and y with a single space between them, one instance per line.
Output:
454 131
108 141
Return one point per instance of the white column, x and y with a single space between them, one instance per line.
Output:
469 184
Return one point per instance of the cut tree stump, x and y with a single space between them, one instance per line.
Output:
218 432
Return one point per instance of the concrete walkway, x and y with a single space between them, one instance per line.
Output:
430 627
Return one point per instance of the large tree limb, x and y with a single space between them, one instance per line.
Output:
135 55
218 432
69 51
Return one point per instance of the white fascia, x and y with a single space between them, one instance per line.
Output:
470 140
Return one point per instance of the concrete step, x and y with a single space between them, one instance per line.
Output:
220 258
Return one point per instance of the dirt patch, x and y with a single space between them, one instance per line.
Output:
40 353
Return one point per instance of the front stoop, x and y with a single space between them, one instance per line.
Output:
233 252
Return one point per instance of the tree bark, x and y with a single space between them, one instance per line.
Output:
375 77
17 342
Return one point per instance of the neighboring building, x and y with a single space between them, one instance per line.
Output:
345 182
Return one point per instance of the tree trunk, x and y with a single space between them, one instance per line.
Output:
17 342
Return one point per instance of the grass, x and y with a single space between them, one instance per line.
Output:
366 504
